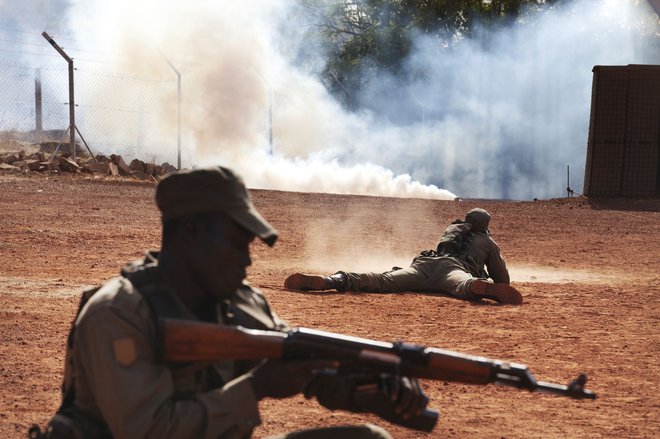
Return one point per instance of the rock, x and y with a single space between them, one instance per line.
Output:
142 175
152 169
114 170
38 166
101 165
54 166
137 165
96 168
8 167
103 159
22 165
33 165
68 165
124 169
166 168
10 159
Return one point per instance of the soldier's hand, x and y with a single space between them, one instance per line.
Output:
407 399
282 379
396 399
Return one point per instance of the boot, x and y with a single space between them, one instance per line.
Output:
501 293
313 282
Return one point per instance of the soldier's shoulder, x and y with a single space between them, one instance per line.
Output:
481 237
118 294
491 242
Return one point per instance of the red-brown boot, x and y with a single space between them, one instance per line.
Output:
308 282
501 293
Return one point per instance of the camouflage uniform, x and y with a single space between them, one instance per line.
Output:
456 267
443 274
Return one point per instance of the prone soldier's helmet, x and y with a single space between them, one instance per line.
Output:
479 219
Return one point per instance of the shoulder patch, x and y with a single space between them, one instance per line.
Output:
125 352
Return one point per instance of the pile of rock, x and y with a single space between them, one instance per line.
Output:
100 165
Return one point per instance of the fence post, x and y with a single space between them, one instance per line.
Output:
37 102
178 111
72 104
270 121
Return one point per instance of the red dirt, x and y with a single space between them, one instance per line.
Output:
588 271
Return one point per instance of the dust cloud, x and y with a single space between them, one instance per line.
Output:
329 246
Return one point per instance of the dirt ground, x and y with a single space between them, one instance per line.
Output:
588 271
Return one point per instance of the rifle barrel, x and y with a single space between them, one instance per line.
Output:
575 388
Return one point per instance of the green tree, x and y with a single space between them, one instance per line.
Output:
366 37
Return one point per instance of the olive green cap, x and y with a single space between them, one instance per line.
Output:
479 218
215 189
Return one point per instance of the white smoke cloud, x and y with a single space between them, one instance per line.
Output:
20 21
498 118
501 116
236 74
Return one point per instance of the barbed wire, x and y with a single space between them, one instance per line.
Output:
23 43
110 75
23 52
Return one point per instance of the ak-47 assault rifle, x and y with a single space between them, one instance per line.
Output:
184 341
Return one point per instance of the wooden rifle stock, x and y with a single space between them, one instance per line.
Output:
185 340
188 340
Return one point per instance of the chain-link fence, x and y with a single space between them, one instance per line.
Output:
115 113
25 115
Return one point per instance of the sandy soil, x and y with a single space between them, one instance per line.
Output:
588 271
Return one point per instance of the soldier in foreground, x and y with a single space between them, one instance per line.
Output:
456 267
116 383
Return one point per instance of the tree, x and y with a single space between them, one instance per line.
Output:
365 38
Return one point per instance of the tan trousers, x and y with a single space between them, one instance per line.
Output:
426 274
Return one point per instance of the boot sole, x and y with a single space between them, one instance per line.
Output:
501 293
305 282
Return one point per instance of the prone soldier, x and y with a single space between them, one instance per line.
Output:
455 267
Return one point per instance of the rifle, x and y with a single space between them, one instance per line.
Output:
186 340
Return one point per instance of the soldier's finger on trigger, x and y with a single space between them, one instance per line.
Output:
422 400
394 390
406 398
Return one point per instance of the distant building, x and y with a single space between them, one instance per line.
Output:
623 152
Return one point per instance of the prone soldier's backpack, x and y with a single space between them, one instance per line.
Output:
455 240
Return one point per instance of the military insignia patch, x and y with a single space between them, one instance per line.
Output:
125 352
